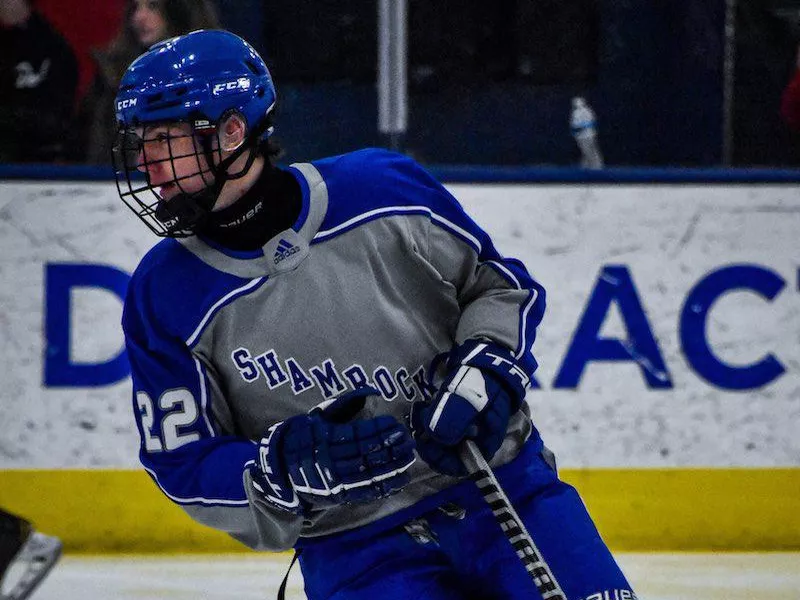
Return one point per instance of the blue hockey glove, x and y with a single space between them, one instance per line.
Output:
483 387
328 457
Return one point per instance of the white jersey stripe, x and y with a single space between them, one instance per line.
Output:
197 500
471 239
226 298
204 396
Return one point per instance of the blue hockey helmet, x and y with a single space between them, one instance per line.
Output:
200 79
198 76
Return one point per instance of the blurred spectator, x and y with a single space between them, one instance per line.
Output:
146 22
38 78
86 25
764 54
790 100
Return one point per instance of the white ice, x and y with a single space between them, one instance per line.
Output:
696 576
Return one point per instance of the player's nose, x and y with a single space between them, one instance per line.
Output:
140 162
145 163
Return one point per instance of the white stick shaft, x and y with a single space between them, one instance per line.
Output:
512 526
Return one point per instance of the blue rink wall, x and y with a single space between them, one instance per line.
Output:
669 385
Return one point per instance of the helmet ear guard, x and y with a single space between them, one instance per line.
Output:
232 131
237 143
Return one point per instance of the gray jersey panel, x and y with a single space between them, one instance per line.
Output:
369 303
489 303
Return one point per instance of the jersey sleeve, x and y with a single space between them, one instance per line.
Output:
498 298
198 466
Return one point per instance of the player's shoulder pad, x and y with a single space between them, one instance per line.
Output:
171 291
374 179
375 168
163 253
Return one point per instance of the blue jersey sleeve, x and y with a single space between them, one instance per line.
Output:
178 438
193 463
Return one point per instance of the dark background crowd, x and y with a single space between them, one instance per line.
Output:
679 83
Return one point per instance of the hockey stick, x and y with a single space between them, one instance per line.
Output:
509 521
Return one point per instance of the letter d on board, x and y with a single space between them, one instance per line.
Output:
59 368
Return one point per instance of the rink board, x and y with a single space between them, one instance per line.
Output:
678 425
635 509
669 339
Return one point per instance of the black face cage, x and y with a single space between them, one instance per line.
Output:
152 179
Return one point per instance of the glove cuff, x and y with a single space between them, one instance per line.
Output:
269 475
495 360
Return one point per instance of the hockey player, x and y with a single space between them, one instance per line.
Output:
30 553
297 321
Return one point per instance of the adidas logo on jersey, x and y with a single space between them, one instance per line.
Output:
284 251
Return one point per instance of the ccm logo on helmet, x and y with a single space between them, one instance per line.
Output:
126 103
243 83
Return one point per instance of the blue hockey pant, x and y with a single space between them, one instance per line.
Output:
470 558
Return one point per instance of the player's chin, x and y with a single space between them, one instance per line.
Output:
168 191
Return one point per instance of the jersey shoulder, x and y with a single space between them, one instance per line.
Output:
171 290
375 180
364 171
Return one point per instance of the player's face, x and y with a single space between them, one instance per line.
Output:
148 22
171 157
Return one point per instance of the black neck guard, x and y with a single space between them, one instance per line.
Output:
272 205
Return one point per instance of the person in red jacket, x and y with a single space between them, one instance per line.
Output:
790 100
145 23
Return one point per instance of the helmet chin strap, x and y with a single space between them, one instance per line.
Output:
184 213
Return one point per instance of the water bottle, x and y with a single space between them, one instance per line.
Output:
584 129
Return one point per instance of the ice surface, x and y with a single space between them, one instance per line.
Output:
696 576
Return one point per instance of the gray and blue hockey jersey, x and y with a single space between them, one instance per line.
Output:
382 271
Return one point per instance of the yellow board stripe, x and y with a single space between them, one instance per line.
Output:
635 509
693 508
